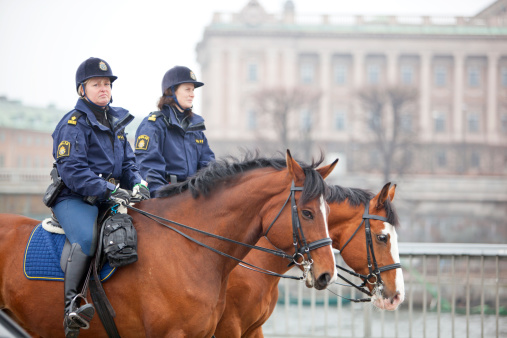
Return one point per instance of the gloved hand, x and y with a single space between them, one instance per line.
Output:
141 192
120 196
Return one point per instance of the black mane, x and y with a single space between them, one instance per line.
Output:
356 197
229 167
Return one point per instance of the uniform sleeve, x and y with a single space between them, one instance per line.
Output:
130 170
70 150
149 145
207 155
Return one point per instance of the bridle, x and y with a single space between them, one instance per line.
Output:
301 246
373 277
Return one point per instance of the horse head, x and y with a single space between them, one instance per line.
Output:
308 213
368 242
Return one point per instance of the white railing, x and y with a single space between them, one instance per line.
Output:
451 290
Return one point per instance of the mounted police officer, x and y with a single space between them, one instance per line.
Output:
96 164
170 143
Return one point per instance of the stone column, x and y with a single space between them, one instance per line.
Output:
392 68
325 87
425 118
234 120
457 116
212 107
491 114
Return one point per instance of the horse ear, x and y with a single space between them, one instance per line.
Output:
392 190
294 168
326 170
382 196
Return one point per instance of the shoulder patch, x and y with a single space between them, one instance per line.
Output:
142 142
63 149
153 117
73 119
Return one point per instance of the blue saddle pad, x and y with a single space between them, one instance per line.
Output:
42 257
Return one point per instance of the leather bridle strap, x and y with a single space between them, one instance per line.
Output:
373 269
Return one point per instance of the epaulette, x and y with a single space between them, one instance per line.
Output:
156 114
74 117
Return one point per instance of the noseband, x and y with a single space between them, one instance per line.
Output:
301 246
373 277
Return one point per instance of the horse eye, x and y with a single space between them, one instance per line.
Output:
307 214
382 238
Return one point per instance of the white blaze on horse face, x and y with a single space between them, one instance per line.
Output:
323 209
395 254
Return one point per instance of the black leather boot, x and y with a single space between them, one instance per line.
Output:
76 317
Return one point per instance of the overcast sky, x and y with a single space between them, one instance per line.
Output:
42 42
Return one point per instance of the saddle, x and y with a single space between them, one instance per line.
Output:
117 246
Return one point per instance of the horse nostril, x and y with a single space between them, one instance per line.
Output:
396 297
323 280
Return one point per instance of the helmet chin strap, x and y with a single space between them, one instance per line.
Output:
94 104
176 100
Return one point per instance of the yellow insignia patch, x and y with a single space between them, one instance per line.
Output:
73 120
102 66
199 141
63 149
121 137
142 142
152 118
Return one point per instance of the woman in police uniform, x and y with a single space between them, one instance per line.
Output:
170 143
96 163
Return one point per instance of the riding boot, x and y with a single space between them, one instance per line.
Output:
76 317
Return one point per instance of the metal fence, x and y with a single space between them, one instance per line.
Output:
451 290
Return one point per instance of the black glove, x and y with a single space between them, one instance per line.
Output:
141 192
121 196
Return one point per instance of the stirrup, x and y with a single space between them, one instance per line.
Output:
83 315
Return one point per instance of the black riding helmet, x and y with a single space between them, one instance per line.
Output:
93 67
178 75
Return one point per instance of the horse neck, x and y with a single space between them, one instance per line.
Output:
342 221
266 260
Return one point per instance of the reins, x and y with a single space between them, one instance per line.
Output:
373 269
298 238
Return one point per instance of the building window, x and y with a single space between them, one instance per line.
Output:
252 72
441 158
440 76
503 123
251 120
339 120
473 122
406 123
503 76
474 76
307 73
374 120
475 160
439 122
407 75
340 74
306 120
373 74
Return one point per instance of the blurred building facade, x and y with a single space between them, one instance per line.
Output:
25 156
455 180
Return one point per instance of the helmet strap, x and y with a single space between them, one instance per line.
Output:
91 102
176 100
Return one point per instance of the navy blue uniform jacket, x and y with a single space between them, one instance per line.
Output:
83 149
164 148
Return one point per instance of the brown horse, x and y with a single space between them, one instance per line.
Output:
252 296
177 287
